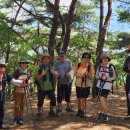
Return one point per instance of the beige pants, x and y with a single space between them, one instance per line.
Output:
19 99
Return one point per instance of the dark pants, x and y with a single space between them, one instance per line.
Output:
128 102
42 95
2 101
127 91
63 91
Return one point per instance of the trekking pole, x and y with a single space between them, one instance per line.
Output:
58 93
97 101
30 104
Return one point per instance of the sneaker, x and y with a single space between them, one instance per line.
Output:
3 126
78 113
15 121
82 114
20 122
106 118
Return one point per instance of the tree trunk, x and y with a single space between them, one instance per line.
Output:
51 44
68 25
102 34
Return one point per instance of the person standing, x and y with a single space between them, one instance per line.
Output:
105 75
21 73
45 84
64 69
126 68
3 79
83 72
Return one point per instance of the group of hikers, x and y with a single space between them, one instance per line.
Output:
62 73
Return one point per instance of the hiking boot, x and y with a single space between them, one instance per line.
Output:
69 109
59 108
106 118
20 122
3 126
15 121
82 114
78 113
52 113
39 114
100 116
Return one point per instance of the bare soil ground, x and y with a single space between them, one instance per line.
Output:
68 121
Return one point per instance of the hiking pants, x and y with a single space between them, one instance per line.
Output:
42 95
128 102
127 91
19 99
2 101
63 91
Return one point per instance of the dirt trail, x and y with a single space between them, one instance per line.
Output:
68 121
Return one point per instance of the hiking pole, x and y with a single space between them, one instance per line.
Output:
58 93
30 104
98 100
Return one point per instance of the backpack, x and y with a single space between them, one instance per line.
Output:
88 69
110 72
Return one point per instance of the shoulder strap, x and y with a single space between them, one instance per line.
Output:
89 66
79 65
99 68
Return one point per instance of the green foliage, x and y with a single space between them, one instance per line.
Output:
124 16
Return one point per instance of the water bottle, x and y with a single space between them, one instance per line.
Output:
129 95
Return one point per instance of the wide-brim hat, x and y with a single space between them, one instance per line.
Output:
24 60
128 49
46 55
104 56
2 62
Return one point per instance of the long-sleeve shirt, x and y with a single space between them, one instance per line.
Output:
105 71
62 68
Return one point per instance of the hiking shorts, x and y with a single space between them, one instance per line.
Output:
103 92
82 92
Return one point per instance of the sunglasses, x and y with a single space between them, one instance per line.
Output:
2 66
